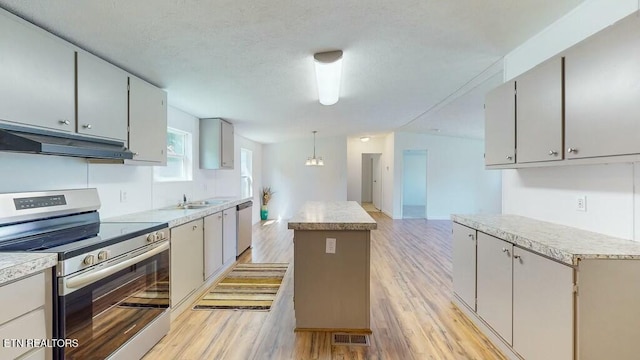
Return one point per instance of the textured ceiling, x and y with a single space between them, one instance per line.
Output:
412 65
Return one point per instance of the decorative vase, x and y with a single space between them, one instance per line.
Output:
264 212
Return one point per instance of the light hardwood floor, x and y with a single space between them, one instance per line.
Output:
411 312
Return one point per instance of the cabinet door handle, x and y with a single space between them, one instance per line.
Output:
509 157
505 250
219 216
87 126
517 256
472 237
572 150
195 227
65 122
553 153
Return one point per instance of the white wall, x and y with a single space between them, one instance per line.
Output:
456 179
387 162
294 183
414 182
550 193
29 172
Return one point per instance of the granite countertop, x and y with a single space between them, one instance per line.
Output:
14 266
175 216
563 243
332 215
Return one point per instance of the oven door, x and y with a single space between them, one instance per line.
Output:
105 307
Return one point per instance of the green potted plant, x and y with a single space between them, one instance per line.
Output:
266 197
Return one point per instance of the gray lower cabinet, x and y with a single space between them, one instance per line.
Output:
212 244
102 98
602 92
539 113
542 307
495 286
26 314
229 235
187 257
37 76
464 256
500 125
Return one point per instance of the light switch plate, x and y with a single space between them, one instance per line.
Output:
123 196
331 246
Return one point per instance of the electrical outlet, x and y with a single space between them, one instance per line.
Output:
331 246
123 196
581 203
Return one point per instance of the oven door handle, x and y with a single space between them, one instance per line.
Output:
83 280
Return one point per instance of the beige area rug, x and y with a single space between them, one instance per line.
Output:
246 287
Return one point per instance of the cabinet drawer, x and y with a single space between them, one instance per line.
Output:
29 326
22 296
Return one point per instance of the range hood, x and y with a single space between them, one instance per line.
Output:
38 141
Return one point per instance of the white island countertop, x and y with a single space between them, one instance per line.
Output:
332 215
562 243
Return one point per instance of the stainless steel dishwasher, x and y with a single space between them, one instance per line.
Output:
244 226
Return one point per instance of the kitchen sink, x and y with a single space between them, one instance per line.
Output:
197 205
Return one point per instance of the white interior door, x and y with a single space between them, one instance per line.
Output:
377 181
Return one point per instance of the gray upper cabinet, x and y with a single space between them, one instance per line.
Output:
216 144
37 76
500 125
539 113
602 97
147 122
102 98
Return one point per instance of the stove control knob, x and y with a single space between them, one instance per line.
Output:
89 260
152 237
161 235
103 255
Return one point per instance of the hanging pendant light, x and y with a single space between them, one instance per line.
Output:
313 161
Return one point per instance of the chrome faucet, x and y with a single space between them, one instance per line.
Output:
184 200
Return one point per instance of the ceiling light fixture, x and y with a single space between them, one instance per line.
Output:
328 74
365 138
313 161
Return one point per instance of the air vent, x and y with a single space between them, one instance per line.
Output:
350 339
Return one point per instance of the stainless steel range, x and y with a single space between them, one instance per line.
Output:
111 283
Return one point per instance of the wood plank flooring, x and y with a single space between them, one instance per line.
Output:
411 312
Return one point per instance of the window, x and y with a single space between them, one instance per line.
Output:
178 157
246 173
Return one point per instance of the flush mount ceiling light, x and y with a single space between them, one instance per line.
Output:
313 161
328 74
365 138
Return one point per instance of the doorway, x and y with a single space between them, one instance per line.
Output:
414 184
371 197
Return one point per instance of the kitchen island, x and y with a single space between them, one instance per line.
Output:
331 266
